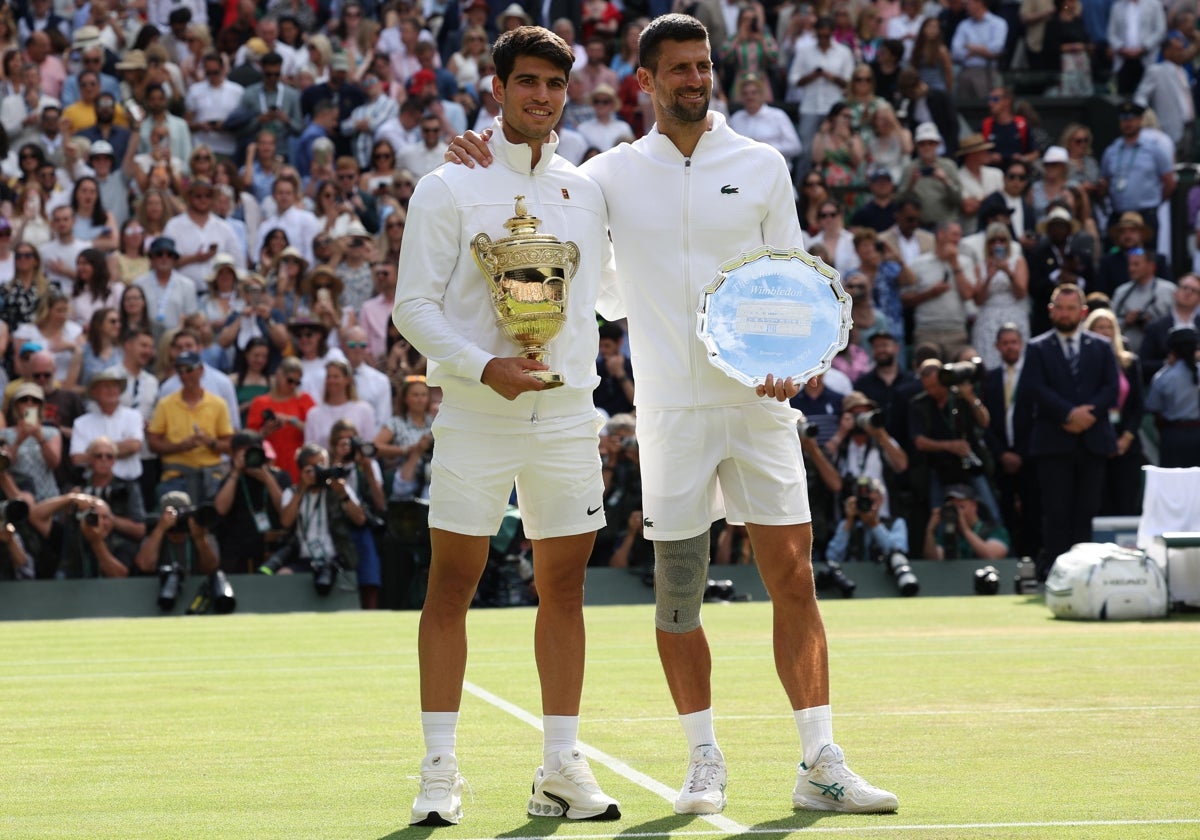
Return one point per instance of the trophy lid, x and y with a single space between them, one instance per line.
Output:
514 250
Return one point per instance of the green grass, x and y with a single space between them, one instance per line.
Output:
987 717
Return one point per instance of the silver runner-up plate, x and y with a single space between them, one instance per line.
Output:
782 312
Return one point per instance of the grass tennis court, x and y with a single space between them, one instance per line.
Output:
985 716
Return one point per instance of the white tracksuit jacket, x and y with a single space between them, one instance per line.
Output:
443 302
674 221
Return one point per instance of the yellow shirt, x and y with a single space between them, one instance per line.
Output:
175 420
83 116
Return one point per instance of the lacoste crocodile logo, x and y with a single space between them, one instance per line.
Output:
729 189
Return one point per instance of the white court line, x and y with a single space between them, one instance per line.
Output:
863 829
933 712
726 825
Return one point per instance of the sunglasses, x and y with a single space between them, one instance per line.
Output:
308 333
827 215
104 456
24 255
186 368
42 376
382 156
293 382
356 345
1015 176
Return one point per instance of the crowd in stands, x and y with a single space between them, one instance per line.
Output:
202 208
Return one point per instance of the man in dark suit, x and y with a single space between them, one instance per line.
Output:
1007 437
1153 351
1070 376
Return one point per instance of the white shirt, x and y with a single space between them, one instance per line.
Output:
67 253
771 126
168 304
375 389
420 160
122 424
312 522
191 237
301 228
821 94
312 381
211 103
604 136
903 28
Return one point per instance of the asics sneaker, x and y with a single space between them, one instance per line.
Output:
829 785
571 792
704 788
439 801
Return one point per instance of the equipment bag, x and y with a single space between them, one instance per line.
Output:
1106 582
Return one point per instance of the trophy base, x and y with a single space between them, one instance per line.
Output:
550 377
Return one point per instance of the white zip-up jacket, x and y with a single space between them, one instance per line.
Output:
443 301
674 221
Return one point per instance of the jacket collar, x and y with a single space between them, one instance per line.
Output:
519 156
662 147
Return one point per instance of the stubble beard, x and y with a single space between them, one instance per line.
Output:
686 111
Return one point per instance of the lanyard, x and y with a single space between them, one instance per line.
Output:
307 515
163 295
1122 167
246 493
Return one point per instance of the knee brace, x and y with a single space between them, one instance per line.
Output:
680 575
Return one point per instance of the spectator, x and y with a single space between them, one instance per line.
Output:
21 296
1021 216
372 386
978 181
248 502
812 195
605 129
1135 32
837 152
879 213
93 288
836 240
376 314
1185 313
1137 175
112 184
339 401
213 381
1123 470
821 75
886 68
60 253
866 317
190 547
300 226
361 204
34 446
255 319
1002 293
1053 260
101 350
1167 88
189 430
918 103
176 142
905 26
947 425
276 109
977 48
822 406
364 475
251 373
942 284
893 143
280 414
1175 401
931 56
170 295
931 179
906 240
956 531
428 155
208 234
614 394
209 103
321 512
320 299
621 543
1143 299
405 442
53 330
861 446
1068 49
867 533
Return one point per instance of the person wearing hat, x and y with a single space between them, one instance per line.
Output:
1136 175
209 103
957 532
110 179
605 129
342 91
932 179
353 268
34 445
879 213
1174 399
1056 258
861 447
1052 186
189 547
310 339
204 234
190 430
1130 231
170 295
978 180
222 300
109 419
887 378
1144 298
253 316
321 294
511 17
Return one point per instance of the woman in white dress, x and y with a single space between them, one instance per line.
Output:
1002 293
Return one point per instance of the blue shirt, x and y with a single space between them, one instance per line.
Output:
302 159
108 84
1135 174
882 538
1173 395
824 411
990 32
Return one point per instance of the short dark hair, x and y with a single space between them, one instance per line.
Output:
672 27
272 59
1008 327
532 41
612 331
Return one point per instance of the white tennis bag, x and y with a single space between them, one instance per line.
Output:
1106 582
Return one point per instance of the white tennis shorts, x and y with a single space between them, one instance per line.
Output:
740 462
556 470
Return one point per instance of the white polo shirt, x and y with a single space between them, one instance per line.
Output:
122 424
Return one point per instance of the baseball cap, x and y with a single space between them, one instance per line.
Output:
960 491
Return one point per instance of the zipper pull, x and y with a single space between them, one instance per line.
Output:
533 418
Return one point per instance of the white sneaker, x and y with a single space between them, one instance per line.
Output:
571 792
704 788
832 786
439 801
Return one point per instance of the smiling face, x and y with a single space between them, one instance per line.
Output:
532 100
681 83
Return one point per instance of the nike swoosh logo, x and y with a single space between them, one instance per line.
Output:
592 511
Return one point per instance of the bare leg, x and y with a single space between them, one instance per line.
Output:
559 638
458 563
784 555
687 664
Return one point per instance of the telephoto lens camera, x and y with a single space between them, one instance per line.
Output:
869 420
215 594
324 573
14 511
91 518
807 429
906 579
358 446
324 475
170 581
254 457
114 494
949 517
1026 581
205 516
863 502
959 373
832 577
987 581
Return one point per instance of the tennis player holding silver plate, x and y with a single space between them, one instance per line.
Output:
773 311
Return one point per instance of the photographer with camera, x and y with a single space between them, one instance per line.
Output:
15 562
80 530
947 421
322 508
621 543
248 502
956 531
866 532
180 542
357 456
861 447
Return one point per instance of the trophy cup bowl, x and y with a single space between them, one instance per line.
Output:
529 274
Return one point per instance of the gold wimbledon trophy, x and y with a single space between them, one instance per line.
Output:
529 273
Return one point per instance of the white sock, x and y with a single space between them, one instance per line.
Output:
440 732
816 730
698 729
559 733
